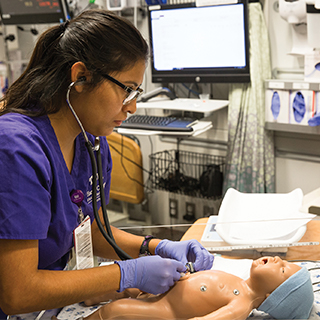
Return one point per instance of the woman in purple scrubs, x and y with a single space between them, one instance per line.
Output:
44 163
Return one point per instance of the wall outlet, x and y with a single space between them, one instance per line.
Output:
190 211
13 31
173 208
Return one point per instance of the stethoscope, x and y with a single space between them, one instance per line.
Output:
96 169
96 164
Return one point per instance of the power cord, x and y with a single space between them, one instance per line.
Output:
144 185
123 166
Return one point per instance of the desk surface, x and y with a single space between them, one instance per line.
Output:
293 253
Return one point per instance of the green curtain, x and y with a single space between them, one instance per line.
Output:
250 157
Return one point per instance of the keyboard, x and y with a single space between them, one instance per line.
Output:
142 122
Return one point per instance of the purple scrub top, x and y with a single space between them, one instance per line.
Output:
35 186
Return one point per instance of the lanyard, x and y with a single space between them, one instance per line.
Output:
77 197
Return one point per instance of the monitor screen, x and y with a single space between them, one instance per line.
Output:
199 44
32 11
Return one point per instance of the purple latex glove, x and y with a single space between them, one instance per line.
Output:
151 274
315 121
275 105
186 251
299 107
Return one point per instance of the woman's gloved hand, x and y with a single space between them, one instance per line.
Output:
186 251
151 274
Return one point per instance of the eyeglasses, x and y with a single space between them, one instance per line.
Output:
132 94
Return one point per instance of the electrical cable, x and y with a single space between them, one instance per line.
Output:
190 90
123 166
128 159
121 153
144 185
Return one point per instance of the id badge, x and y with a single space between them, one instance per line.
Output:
83 245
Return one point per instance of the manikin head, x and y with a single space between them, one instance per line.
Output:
290 289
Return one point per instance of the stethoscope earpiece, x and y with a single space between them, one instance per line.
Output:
82 79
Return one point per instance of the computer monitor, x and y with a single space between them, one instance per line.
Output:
16 12
207 44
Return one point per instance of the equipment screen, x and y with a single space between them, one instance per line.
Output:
32 11
199 44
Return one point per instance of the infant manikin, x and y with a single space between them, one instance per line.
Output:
274 286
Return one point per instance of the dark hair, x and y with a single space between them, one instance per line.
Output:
102 40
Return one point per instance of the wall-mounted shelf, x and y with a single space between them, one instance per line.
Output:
287 91
292 85
286 127
205 107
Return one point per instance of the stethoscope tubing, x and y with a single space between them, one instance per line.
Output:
96 165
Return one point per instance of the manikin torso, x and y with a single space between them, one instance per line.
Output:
201 293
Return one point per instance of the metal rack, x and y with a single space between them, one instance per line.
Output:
188 173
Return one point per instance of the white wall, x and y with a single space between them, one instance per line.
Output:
281 41
293 174
297 160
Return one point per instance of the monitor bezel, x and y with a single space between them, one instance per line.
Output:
201 75
43 18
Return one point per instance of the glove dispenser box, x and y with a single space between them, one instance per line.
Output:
291 102
301 106
277 105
